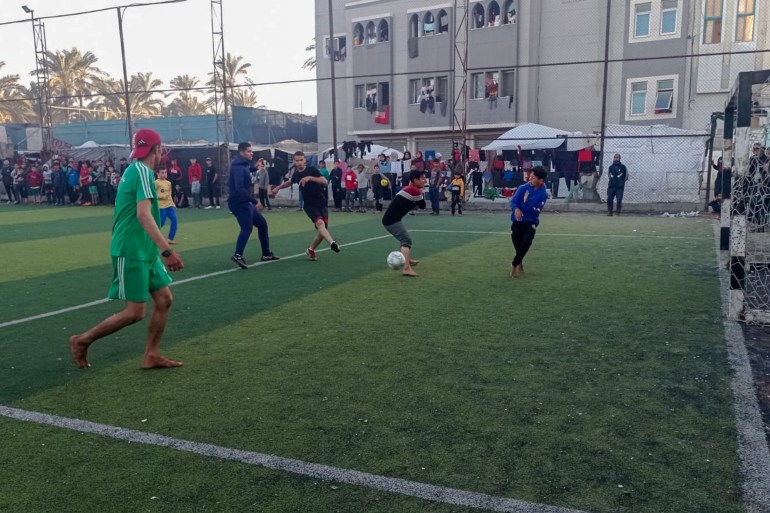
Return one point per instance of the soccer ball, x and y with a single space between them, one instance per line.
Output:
396 260
384 182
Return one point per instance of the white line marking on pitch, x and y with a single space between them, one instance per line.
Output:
433 493
180 282
752 445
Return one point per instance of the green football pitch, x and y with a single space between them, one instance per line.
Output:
596 382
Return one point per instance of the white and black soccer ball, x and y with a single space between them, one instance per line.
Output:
396 260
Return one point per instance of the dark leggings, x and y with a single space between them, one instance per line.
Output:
522 235
264 197
248 218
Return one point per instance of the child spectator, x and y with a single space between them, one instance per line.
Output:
180 197
73 184
35 181
195 174
113 179
85 184
350 180
59 181
48 184
166 202
457 187
263 182
18 184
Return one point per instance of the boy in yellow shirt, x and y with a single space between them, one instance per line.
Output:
166 202
458 192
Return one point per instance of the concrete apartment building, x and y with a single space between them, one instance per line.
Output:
528 61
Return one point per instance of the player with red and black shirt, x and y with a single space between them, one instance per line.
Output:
311 185
407 199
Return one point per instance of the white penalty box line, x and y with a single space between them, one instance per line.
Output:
428 492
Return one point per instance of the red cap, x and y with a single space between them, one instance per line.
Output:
144 140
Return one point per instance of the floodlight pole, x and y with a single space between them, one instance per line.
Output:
604 86
333 62
125 76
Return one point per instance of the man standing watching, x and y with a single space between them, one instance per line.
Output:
526 206
246 209
311 186
212 184
138 270
8 181
618 175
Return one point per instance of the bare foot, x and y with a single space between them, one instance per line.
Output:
170 241
409 272
414 262
79 352
514 272
159 362
521 268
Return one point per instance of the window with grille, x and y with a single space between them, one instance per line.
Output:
712 22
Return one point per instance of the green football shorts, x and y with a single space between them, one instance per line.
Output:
133 280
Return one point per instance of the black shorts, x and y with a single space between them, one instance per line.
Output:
316 211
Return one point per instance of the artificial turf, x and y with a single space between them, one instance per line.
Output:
596 381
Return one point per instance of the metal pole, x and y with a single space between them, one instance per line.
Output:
41 99
125 79
604 88
334 80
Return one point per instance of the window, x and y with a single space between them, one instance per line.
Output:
508 83
443 22
360 97
371 34
668 17
664 99
712 22
358 34
642 19
509 12
383 32
493 13
478 17
428 24
336 48
414 24
383 92
638 98
414 90
477 86
744 28
442 89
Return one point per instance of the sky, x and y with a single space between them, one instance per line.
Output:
175 39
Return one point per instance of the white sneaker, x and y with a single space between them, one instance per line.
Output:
208 208
218 207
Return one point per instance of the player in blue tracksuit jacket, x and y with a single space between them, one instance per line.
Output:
526 206
245 207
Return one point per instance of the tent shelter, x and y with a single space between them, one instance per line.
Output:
664 164
531 136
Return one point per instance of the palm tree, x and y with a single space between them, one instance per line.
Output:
188 103
310 62
142 92
15 107
73 77
240 89
243 97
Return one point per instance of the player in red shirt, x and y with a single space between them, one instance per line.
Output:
195 174
35 181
